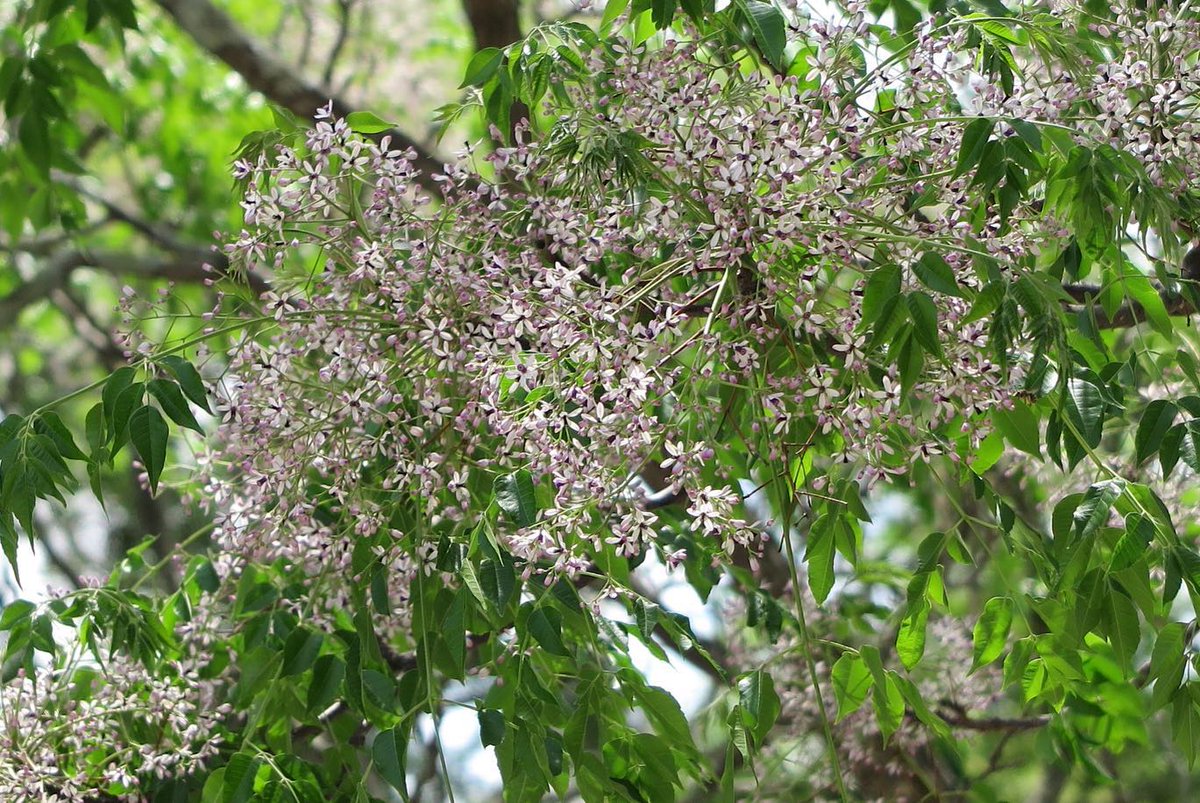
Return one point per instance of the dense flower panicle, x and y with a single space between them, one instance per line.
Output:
697 284
69 735
571 320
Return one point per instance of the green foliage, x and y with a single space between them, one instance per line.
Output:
1065 562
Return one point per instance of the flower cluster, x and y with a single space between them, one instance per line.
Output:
685 246
73 734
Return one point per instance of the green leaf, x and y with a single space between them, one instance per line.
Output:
882 285
645 615
769 28
1188 441
516 497
662 12
924 316
1019 426
1167 663
497 581
327 675
612 10
131 399
189 379
974 141
819 557
94 428
170 398
482 67
116 383
388 753
1084 405
991 631
1132 544
148 432
367 123
759 703
888 702
238 784
454 634
663 710
300 651
936 274
1096 506
1156 420
50 424
851 683
1122 626
9 428
13 613
910 638
34 135
491 727
545 624
1139 288
912 695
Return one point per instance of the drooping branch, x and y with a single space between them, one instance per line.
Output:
279 81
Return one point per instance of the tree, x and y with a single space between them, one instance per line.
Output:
871 332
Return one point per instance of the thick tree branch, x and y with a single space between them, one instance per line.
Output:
189 264
279 81
955 715
1128 314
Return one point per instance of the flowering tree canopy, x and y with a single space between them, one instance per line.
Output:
868 325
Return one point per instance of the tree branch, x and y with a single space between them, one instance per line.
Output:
189 264
263 72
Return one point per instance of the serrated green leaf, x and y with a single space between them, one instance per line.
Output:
482 67
851 683
516 497
974 142
389 753
149 432
545 624
1096 506
991 631
1156 420
327 675
1084 405
1168 663
818 556
888 702
882 286
238 783
367 123
924 315
300 651
130 399
1020 427
491 727
910 638
759 703
50 424
612 10
189 379
170 398
645 615
1132 544
769 29
936 274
